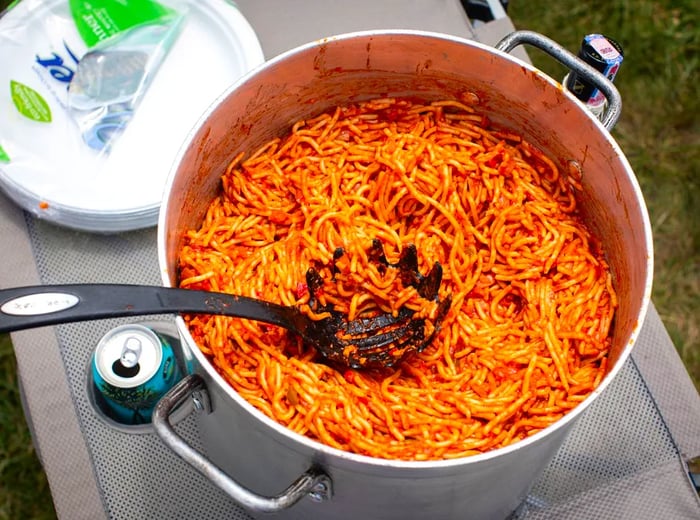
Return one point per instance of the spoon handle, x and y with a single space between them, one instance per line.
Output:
37 306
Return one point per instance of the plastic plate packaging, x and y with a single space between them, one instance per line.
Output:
46 165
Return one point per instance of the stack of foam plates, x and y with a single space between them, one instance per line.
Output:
53 175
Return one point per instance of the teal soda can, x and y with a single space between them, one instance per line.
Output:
132 368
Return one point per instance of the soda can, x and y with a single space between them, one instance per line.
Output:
603 54
132 368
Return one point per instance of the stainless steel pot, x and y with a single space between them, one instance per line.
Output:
261 464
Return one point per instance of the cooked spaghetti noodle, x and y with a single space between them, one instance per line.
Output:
527 334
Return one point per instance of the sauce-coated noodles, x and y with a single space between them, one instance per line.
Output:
527 334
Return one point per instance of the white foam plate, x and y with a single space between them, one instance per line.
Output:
53 174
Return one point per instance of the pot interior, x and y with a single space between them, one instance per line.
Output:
511 94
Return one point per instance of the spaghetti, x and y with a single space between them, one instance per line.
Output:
528 331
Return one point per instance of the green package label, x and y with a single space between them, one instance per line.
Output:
4 158
97 20
29 102
10 6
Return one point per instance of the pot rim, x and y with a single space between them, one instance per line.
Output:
335 453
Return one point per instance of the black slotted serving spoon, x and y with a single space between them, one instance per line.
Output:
380 341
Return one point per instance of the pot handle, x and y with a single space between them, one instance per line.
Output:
314 483
612 112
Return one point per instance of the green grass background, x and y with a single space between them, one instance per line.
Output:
658 132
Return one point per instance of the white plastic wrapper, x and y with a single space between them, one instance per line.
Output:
111 78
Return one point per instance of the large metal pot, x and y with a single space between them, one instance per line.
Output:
250 456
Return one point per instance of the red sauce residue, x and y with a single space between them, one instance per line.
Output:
320 58
349 375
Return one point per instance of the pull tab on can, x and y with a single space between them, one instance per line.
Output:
131 352
128 363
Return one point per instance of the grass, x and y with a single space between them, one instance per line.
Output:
658 131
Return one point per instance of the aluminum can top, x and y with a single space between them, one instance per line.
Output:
128 356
